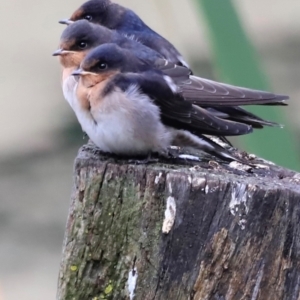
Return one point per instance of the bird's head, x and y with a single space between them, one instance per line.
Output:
103 62
93 11
110 58
77 40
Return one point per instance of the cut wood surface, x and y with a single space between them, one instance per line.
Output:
181 229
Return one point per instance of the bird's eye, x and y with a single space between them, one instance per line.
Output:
82 45
102 65
88 17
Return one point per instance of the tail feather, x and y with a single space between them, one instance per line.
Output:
238 114
183 138
205 92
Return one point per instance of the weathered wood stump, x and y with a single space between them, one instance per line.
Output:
181 230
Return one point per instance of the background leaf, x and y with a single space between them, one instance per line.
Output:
237 63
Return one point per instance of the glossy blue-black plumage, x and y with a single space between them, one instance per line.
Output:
127 22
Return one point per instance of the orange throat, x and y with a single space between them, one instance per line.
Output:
90 88
92 79
72 59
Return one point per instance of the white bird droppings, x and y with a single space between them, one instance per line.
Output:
238 205
242 224
131 283
207 189
260 166
238 166
238 198
170 215
199 182
157 178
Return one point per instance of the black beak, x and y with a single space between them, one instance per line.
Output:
78 72
57 52
65 22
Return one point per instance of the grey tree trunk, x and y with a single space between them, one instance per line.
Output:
181 230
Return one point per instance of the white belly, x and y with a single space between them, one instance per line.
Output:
69 86
125 123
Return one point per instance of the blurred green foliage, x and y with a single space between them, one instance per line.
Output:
237 63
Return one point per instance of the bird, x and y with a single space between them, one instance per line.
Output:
82 36
79 38
128 23
128 107
213 98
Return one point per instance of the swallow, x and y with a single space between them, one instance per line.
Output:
79 38
130 112
213 98
128 23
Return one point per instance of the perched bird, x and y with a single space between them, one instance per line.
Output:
128 23
213 98
128 107
79 38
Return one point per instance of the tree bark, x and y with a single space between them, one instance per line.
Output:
181 230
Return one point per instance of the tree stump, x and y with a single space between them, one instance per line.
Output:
181 229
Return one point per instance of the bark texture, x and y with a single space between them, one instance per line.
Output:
181 230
